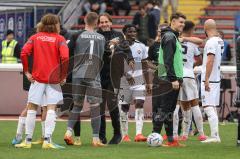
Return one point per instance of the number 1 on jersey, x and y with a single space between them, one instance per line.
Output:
91 49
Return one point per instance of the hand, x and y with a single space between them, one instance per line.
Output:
149 89
63 82
114 41
175 85
132 65
29 77
207 88
130 80
181 39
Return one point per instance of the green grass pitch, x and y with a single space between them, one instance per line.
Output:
194 150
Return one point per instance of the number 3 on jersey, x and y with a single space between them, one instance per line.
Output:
184 51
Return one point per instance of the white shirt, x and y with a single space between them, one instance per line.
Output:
215 46
139 52
190 50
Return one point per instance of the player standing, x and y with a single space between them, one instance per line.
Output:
86 78
134 92
50 53
170 72
210 78
188 94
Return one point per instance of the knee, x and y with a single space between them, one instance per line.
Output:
125 107
139 104
76 109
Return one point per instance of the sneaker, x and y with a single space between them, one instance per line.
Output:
183 138
97 143
126 138
212 140
77 141
165 137
51 145
16 141
24 144
202 137
38 142
238 143
173 144
103 139
68 139
116 139
140 138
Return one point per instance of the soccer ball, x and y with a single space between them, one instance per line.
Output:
154 140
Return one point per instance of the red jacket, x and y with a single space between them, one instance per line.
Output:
50 57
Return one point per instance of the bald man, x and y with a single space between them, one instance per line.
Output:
210 80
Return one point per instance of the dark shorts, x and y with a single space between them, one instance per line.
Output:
86 87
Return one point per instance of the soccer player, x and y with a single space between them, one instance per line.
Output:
170 73
112 37
188 94
210 78
134 92
50 53
86 78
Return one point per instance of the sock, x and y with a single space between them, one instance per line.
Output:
43 128
124 122
69 131
187 116
213 121
175 120
198 119
74 117
30 124
139 116
20 127
95 119
50 123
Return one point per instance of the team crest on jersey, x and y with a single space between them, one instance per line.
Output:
139 51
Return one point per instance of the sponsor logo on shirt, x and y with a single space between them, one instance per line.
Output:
46 38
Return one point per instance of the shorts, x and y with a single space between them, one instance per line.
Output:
188 90
86 87
125 96
43 94
210 98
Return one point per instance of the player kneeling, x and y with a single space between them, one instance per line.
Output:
48 49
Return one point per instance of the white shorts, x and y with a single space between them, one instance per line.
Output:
125 96
44 94
188 90
212 97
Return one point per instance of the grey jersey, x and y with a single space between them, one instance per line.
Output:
88 55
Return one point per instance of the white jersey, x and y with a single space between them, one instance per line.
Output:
139 52
214 45
190 50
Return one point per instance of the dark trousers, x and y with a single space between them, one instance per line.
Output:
109 99
238 126
164 100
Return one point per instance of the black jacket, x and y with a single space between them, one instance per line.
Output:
168 44
105 72
122 52
152 27
238 60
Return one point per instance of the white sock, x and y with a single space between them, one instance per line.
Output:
198 119
30 123
20 127
124 122
50 123
213 121
43 128
139 117
175 120
187 118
